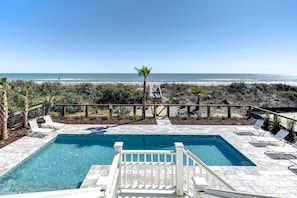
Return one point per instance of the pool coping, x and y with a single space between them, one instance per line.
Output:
268 177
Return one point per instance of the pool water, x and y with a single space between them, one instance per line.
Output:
64 163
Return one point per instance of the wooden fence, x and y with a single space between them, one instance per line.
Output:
153 110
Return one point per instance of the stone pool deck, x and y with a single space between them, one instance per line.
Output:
270 176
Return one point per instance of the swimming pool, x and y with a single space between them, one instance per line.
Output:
64 163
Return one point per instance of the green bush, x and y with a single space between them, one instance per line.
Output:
117 94
186 116
54 114
291 128
67 116
69 98
198 116
291 95
135 117
94 117
266 120
107 116
235 118
224 117
211 116
276 124
291 125
123 110
237 88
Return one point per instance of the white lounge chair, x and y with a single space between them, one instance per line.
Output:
282 149
251 130
277 138
50 123
35 128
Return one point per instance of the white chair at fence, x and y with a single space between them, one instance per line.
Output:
275 139
35 128
251 130
49 123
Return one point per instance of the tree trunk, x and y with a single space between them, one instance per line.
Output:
143 99
4 134
198 102
25 114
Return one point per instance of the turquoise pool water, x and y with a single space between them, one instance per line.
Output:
64 163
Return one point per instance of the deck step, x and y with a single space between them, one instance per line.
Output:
157 194
140 193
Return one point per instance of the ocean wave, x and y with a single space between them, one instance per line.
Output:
156 78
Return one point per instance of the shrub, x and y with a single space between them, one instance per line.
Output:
276 124
291 128
291 124
211 116
108 116
117 94
291 95
236 118
54 114
266 121
104 117
237 88
224 117
69 98
123 110
186 116
198 116
135 117
67 116
94 117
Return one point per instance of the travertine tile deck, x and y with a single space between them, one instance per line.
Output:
268 177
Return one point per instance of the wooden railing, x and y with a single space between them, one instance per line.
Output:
153 110
208 109
188 108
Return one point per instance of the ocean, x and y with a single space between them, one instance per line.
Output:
209 79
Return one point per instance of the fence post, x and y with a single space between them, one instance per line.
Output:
229 111
110 110
155 111
134 109
168 111
208 111
179 147
249 112
63 110
86 111
188 110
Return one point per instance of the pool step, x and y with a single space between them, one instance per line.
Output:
93 175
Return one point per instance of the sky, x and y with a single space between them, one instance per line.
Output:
170 36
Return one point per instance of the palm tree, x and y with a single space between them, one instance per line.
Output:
4 86
48 103
24 94
143 71
199 92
